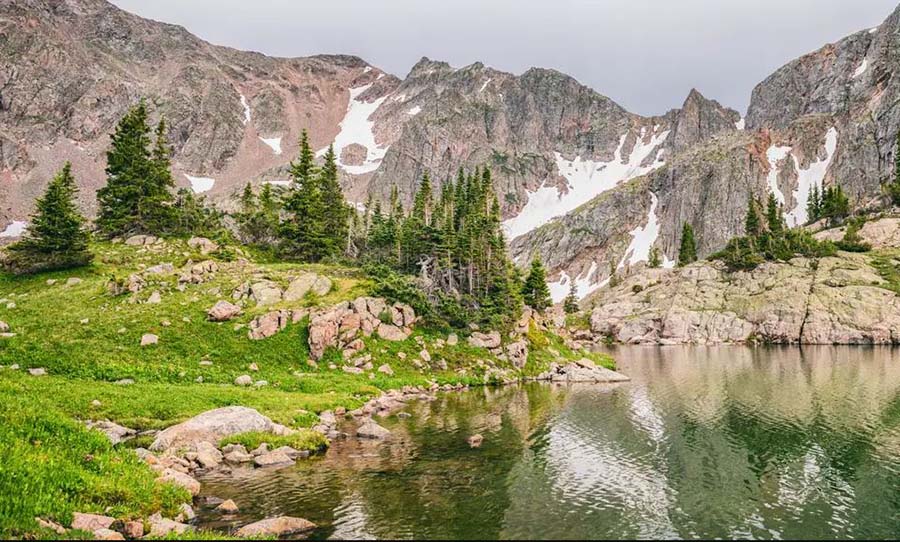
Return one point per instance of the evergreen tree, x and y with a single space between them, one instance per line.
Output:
570 303
774 219
137 195
814 204
336 212
302 232
654 261
56 237
893 186
535 292
752 225
687 253
835 204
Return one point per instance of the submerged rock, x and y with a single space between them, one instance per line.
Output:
372 430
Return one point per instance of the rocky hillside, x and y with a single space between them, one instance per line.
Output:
846 299
589 185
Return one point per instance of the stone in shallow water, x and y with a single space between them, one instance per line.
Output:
280 526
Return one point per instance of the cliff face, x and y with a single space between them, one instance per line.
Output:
589 186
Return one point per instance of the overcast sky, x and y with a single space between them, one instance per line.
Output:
644 54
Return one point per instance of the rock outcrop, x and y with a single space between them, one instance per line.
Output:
343 324
835 300
213 426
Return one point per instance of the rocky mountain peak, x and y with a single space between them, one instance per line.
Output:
699 119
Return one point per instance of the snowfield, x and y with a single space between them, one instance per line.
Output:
200 184
813 175
862 68
585 180
357 128
274 143
14 229
414 111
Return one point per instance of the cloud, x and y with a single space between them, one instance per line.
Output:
644 54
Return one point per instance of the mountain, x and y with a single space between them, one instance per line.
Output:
584 183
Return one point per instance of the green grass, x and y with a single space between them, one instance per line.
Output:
51 465
887 263
302 440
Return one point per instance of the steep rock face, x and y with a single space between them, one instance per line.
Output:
699 119
69 70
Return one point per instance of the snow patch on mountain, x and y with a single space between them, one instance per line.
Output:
862 68
357 128
586 179
583 284
246 109
775 155
14 229
274 143
484 86
414 111
200 184
279 183
741 124
814 175
643 238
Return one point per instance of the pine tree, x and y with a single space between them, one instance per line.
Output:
302 232
752 226
835 204
570 303
814 204
137 195
535 292
654 261
687 254
56 237
336 212
774 219
893 187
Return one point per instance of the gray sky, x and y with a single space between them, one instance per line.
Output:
644 54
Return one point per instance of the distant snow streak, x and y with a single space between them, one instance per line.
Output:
357 128
246 109
862 68
586 179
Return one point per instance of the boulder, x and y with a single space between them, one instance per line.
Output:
304 284
452 339
238 457
485 340
141 240
172 476
386 369
4 327
37 371
204 245
517 353
161 527
475 441
90 522
149 339
276 527
71 281
243 380
155 298
223 311
227 507
390 332
114 432
133 529
215 425
371 430
107 534
265 293
267 325
160 269
273 459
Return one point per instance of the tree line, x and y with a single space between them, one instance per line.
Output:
447 250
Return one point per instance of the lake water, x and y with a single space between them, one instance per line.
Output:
704 442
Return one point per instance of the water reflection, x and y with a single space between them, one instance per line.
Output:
704 442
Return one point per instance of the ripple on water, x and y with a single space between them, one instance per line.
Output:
704 442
